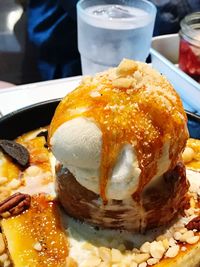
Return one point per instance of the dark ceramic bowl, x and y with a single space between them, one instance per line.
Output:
26 119
38 115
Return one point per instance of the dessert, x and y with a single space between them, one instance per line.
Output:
44 236
118 160
37 232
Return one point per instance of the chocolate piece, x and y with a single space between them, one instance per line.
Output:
15 204
16 151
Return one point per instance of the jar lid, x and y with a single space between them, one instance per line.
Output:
190 28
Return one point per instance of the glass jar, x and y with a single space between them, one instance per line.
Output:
189 50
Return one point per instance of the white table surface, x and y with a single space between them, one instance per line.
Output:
24 95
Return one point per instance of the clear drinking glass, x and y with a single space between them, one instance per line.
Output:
110 30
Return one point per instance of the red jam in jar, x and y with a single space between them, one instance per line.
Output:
189 51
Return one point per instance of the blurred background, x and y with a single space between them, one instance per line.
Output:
16 66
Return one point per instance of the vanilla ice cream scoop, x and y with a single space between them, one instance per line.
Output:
77 144
120 130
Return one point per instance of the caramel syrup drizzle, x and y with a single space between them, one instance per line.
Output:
126 117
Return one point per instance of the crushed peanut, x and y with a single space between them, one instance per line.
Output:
183 248
37 246
93 260
126 67
95 94
142 257
172 241
192 240
172 251
183 230
187 235
116 255
14 184
145 247
152 261
157 249
122 82
188 154
144 264
165 243
33 171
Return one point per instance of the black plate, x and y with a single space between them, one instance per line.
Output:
38 115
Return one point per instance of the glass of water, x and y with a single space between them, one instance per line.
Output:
110 30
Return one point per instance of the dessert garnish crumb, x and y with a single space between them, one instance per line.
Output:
37 246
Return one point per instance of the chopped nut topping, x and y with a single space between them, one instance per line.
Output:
14 184
172 251
142 257
157 249
116 255
152 261
93 260
192 240
37 246
177 235
126 67
143 264
183 248
122 82
95 94
165 243
172 242
186 236
145 247
188 154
